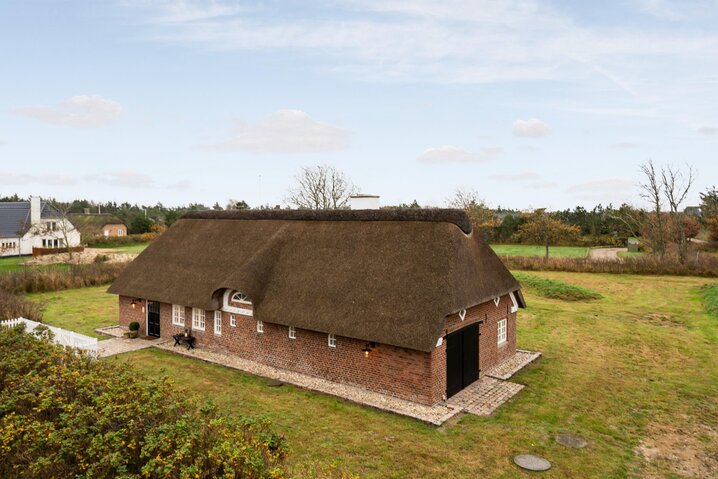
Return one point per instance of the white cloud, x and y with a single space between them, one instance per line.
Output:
285 131
28 179
520 176
708 130
541 185
532 128
123 179
453 154
81 111
624 145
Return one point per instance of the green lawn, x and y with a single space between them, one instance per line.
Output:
11 263
81 310
627 254
538 250
132 248
640 364
15 263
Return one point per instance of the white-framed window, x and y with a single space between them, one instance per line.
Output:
218 323
501 336
120 232
233 320
177 315
332 341
198 319
241 298
260 327
292 332
107 232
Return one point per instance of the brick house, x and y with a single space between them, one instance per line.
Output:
403 302
92 225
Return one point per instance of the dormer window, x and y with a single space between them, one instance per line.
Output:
240 298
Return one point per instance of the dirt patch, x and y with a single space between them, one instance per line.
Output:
661 319
690 451
87 256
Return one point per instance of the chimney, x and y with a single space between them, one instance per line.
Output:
364 202
34 210
86 211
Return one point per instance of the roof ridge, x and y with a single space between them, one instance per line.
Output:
444 215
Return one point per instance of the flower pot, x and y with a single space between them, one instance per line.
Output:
132 334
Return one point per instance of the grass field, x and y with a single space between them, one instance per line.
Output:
81 310
15 263
638 367
538 250
134 248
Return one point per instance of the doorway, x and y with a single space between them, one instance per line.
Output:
462 359
153 319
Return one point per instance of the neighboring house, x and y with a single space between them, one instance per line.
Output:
694 211
405 302
98 224
34 223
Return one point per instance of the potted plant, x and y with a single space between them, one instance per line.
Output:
134 328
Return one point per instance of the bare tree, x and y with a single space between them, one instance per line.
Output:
675 188
320 187
481 216
652 191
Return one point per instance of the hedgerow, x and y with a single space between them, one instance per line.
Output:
64 415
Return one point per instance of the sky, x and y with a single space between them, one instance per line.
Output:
529 103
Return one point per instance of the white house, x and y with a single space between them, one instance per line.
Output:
34 223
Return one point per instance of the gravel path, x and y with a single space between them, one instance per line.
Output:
606 254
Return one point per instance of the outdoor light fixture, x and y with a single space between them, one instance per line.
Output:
134 303
367 349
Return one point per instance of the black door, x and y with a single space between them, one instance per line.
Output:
153 318
462 359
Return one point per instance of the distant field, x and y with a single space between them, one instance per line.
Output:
626 254
81 310
133 248
14 263
537 250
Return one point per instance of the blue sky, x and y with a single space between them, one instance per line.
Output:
530 103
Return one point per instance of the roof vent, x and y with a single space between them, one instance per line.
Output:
364 202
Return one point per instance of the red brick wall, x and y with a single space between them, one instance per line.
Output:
405 373
388 369
490 352
113 229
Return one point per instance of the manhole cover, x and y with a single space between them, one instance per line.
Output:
531 462
571 440
274 383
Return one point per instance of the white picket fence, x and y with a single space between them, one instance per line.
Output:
61 336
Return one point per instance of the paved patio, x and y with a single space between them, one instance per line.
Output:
481 398
118 344
511 366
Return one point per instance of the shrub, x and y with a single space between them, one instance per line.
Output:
65 415
101 258
113 241
40 280
554 289
134 326
700 265
12 306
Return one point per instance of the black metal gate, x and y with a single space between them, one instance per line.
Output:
462 359
153 318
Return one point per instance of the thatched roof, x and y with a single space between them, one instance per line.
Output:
389 276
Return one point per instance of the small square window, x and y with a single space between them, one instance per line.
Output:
332 341
233 320
260 327
501 332
292 332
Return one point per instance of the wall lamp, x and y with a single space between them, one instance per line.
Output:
135 302
368 348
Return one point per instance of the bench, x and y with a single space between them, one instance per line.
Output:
181 338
